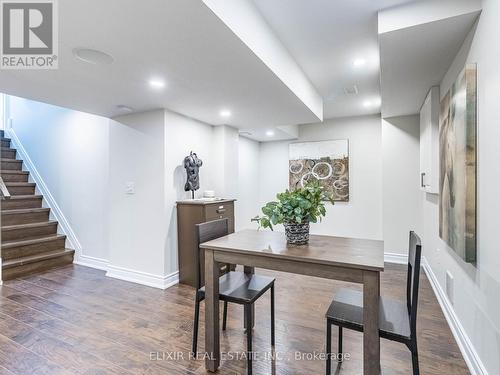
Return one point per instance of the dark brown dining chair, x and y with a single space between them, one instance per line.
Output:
235 287
397 321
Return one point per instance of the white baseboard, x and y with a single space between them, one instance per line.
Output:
49 200
144 278
469 353
92 262
396 258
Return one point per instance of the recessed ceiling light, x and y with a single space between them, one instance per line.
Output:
374 102
157 83
270 133
359 62
225 113
92 56
124 108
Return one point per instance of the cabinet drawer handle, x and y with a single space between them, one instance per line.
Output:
422 175
221 210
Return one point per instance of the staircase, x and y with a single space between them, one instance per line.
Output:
29 239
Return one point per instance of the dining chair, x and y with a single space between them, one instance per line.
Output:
397 321
235 287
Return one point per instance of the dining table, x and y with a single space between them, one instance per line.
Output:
339 258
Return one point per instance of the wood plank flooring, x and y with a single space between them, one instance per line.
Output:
74 320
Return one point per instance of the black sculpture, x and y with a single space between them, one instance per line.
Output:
192 165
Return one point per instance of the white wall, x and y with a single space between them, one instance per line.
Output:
224 146
361 217
402 206
137 221
183 135
2 110
477 287
247 204
70 151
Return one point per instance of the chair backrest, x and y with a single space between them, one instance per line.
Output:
414 256
206 232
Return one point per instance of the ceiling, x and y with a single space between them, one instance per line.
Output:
206 67
325 37
414 59
279 133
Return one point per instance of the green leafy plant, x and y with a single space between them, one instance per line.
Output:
303 205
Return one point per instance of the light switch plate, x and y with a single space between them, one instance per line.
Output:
130 187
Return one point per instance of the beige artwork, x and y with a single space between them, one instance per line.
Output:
324 161
457 165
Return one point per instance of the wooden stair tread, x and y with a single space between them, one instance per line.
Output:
10 160
24 197
28 225
36 258
24 211
12 171
20 184
31 241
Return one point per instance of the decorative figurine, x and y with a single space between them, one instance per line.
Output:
192 165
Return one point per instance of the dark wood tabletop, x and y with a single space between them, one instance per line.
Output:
335 251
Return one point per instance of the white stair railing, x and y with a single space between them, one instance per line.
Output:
3 190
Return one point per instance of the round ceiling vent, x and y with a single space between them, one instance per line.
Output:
92 56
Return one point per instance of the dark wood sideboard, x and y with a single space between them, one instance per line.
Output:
190 213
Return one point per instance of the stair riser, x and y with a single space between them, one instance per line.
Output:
25 218
7 177
8 154
27 250
14 204
21 190
26 269
20 234
5 143
14 165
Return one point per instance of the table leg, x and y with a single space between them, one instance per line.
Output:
212 346
371 338
249 270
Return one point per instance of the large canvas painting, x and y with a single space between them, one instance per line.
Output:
325 161
457 165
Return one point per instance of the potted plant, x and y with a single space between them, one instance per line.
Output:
295 210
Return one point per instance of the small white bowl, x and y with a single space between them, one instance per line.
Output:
209 194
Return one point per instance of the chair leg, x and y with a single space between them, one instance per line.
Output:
224 317
340 355
414 358
246 319
248 308
272 317
195 324
328 348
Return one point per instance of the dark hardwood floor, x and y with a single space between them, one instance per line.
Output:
75 320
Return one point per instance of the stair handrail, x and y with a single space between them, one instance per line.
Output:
3 189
